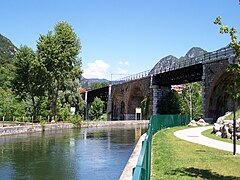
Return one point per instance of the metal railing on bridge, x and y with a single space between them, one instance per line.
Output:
142 171
220 54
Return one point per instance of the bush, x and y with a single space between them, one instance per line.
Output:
76 120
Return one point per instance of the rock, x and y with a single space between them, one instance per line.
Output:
216 127
238 129
201 122
238 136
193 123
227 122
218 134
225 132
220 120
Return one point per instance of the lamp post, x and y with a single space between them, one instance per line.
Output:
190 102
234 112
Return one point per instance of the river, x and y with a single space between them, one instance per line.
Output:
90 153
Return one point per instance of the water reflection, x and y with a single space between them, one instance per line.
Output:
94 153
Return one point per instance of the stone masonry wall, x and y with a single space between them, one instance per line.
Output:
33 128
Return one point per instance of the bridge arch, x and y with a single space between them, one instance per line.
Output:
135 96
218 101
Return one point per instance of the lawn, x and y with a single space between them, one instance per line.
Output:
173 158
207 133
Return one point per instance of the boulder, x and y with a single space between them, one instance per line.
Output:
218 134
193 123
227 122
201 122
238 136
216 128
220 120
225 132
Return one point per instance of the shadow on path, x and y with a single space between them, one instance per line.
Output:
201 173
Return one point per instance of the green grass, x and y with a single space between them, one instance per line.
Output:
173 158
207 133
230 117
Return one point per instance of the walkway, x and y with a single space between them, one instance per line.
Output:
194 135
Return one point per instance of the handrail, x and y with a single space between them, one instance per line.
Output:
222 53
157 122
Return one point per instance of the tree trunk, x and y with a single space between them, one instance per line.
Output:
34 110
54 103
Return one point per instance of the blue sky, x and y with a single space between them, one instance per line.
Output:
122 36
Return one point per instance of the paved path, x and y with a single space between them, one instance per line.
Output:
194 135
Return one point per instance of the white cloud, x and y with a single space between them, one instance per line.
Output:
97 69
122 71
125 63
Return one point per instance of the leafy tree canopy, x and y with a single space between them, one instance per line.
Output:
96 109
232 68
57 51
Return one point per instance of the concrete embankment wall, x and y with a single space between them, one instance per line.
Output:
46 127
33 128
113 123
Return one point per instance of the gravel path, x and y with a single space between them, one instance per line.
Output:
194 135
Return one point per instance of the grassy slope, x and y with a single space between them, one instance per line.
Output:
173 158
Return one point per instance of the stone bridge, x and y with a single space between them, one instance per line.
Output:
125 95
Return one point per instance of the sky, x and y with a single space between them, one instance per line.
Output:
122 37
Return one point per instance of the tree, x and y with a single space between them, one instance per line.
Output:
29 77
145 105
234 69
192 94
71 97
10 105
96 109
58 51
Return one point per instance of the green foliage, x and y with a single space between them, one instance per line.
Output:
234 69
57 51
96 109
10 105
97 85
174 103
145 105
195 91
76 120
170 103
29 78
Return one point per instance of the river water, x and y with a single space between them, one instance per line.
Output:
91 153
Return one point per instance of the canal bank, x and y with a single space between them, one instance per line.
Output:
132 162
9 130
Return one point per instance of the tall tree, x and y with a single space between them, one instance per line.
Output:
58 52
29 77
232 68
192 100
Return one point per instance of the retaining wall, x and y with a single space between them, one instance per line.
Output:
113 123
33 128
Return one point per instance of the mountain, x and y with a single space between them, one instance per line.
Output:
87 83
7 48
7 51
193 52
170 60
167 61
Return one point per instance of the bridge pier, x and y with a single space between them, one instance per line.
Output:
157 94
